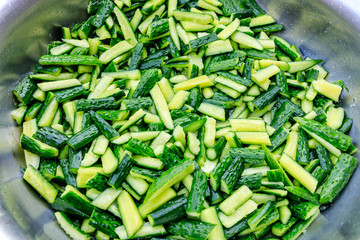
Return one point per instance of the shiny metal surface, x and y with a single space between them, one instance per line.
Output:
328 29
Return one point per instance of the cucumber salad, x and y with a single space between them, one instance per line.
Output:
182 119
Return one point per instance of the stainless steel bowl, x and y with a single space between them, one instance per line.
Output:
328 29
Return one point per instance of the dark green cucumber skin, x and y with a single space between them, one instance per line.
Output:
69 176
99 182
201 157
252 181
297 110
69 93
112 67
281 82
237 228
251 4
275 175
202 41
138 147
320 174
191 229
105 222
303 193
339 176
31 145
195 98
284 227
148 79
225 56
215 197
270 218
321 115
51 137
250 156
273 164
221 103
300 209
48 168
32 112
121 172
283 114
278 138
86 121
268 28
108 103
78 203
137 103
136 56
236 78
346 125
105 128
313 163
83 32
158 54
197 194
147 172
219 170
102 13
156 126
260 214
249 63
324 158
158 27
169 157
256 54
109 114
75 158
170 211
84 137
24 90
68 60
311 75
302 155
62 206
289 52
173 49
223 65
47 69
334 137
232 174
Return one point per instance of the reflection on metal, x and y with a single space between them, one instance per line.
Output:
322 29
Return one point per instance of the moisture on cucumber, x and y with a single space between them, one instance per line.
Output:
166 119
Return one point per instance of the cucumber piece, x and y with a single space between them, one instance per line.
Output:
145 231
231 175
218 171
209 215
171 211
40 184
197 195
130 214
77 200
240 213
326 134
338 178
39 148
169 178
137 147
303 210
260 214
235 200
149 206
70 228
191 229
82 138
121 172
104 222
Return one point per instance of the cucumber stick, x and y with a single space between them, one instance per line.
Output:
160 118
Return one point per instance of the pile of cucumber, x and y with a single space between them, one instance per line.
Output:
182 119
